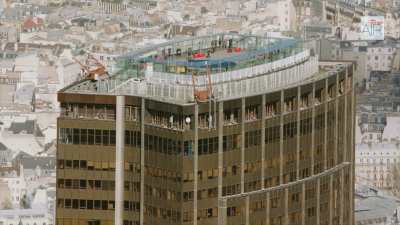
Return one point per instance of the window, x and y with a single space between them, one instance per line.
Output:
89 204
82 204
68 164
187 148
94 222
97 184
106 137
60 183
68 203
97 204
60 203
84 136
68 133
75 164
90 136
127 138
82 184
98 137
83 164
68 183
76 134
112 137
90 165
75 203
104 205
60 164
75 184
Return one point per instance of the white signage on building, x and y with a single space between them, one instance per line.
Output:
372 28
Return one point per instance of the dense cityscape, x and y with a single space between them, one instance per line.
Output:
237 112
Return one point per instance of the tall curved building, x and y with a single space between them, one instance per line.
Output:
223 129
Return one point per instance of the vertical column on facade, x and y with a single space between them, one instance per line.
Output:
247 213
281 138
344 151
220 159
142 166
195 162
243 117
318 201
313 129
330 199
222 211
263 115
119 160
326 125
303 203
341 206
267 209
298 134
286 210
352 172
336 122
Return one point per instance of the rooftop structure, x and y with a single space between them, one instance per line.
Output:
233 65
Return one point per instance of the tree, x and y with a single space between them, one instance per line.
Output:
203 10
24 202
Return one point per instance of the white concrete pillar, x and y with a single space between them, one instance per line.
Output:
119 160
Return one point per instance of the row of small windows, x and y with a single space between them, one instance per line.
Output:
110 166
174 147
68 221
104 185
376 161
95 204
86 136
152 143
95 165
231 170
161 193
167 214
201 194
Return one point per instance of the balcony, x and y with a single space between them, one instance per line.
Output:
168 120
88 111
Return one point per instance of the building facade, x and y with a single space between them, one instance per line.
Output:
222 129
376 164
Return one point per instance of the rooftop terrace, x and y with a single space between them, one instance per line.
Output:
226 65
213 54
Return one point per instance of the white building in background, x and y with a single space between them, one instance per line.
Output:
5 155
374 164
392 24
380 57
41 212
38 216
28 65
284 13
17 186
67 70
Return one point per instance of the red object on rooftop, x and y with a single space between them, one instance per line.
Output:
33 24
199 55
238 49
